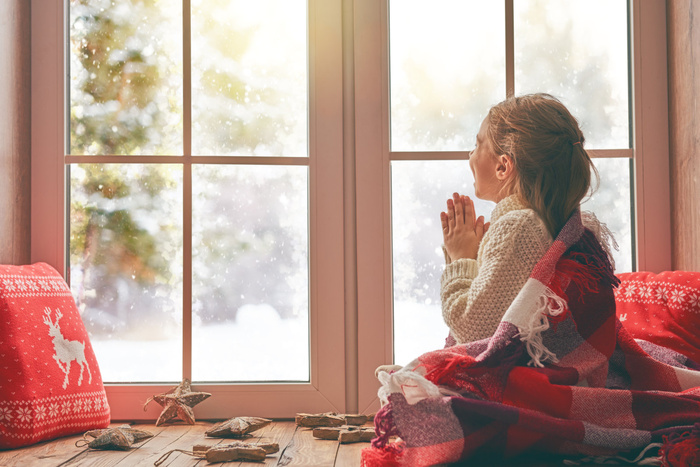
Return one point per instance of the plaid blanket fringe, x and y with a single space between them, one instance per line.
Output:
561 376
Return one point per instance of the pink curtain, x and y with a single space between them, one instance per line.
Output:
15 131
683 20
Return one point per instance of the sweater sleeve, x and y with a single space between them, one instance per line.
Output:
475 294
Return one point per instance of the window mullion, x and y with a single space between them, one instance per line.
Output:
187 190
651 177
510 50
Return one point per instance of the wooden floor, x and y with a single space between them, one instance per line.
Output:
297 448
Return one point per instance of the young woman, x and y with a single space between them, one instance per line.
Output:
529 159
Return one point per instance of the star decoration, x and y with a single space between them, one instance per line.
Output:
119 438
178 402
233 451
237 427
346 434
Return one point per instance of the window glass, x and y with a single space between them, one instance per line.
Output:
577 51
125 77
420 190
126 266
249 77
611 203
250 273
447 65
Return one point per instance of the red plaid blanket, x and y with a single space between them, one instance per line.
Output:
560 375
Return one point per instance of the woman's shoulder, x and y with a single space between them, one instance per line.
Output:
517 227
513 211
516 236
518 219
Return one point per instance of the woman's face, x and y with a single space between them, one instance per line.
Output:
483 162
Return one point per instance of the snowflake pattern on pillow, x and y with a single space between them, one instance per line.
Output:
662 308
678 296
50 382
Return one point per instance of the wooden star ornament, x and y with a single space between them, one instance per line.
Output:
233 451
237 427
118 438
178 402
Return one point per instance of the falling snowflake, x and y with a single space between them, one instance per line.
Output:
53 410
631 289
645 292
77 406
5 414
98 404
677 296
24 414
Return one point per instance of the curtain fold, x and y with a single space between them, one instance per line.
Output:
683 26
15 131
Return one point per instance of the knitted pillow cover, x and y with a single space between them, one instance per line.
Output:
662 308
50 384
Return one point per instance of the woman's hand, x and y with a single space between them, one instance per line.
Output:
462 231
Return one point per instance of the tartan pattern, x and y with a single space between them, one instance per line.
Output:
580 386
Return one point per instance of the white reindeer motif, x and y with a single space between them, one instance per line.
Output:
66 351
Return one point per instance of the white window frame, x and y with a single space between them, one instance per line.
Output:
351 277
326 389
652 230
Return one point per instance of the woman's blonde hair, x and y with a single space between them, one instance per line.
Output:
552 170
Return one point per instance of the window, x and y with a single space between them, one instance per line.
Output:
575 50
181 249
442 68
248 254
202 170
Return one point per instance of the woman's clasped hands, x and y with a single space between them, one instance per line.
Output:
462 231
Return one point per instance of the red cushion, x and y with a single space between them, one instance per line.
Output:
662 308
50 384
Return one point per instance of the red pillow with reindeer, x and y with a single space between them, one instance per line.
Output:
50 384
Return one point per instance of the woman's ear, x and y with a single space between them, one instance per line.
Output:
504 167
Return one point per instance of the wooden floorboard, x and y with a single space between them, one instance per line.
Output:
305 450
349 454
280 433
43 454
297 445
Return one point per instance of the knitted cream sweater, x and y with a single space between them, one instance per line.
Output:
475 294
